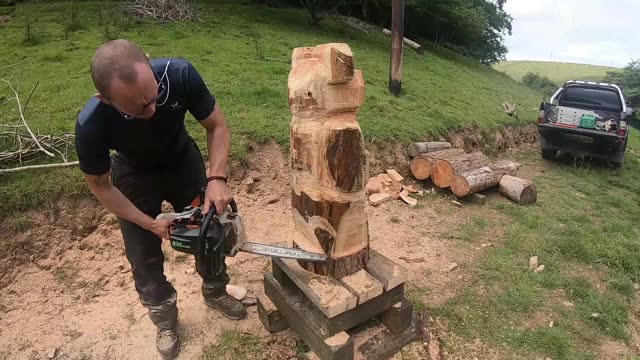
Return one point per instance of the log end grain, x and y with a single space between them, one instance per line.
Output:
421 167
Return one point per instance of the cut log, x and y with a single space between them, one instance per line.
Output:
421 165
482 178
414 45
418 148
444 170
328 159
519 190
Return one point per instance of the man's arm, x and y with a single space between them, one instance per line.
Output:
112 199
218 144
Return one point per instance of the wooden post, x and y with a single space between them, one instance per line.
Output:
328 159
397 31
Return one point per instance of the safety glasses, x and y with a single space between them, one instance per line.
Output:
162 90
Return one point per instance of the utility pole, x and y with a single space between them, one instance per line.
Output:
397 33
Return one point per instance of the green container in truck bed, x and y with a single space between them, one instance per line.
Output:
588 121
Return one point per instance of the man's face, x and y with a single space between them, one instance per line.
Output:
136 99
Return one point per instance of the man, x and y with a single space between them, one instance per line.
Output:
139 112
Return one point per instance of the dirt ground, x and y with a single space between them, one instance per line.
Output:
73 298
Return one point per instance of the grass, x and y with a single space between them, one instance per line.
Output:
243 54
584 230
558 72
66 274
232 345
415 294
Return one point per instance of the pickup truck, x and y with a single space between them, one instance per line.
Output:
585 117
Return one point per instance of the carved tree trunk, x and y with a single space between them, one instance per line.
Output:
328 159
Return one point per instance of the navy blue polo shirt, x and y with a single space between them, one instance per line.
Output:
145 143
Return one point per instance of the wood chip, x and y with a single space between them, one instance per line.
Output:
273 200
386 179
394 195
456 203
551 324
237 292
452 266
374 185
539 269
394 175
533 262
249 301
412 260
410 188
376 199
337 339
404 195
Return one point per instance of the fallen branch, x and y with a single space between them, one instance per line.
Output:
417 47
25 121
29 167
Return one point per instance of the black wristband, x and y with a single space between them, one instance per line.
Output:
223 178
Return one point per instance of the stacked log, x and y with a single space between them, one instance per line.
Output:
445 169
422 165
467 173
474 180
418 148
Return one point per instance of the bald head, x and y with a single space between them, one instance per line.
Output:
116 60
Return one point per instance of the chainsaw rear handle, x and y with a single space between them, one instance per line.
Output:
234 208
203 191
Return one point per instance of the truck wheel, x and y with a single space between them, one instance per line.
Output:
548 154
617 159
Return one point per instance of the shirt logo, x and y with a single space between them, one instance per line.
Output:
175 106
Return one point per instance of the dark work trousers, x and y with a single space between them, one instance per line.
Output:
179 183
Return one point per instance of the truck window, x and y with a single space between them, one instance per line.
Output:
592 98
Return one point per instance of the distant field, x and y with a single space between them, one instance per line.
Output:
558 72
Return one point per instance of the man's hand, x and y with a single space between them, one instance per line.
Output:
160 227
219 194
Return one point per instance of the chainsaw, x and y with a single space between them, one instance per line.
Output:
212 237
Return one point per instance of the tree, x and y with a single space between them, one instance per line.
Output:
540 83
629 79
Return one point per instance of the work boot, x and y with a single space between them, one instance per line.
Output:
230 307
167 343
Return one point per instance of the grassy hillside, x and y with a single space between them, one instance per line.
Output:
558 72
243 53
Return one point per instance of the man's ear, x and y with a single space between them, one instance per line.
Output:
102 98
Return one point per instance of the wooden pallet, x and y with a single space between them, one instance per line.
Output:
376 298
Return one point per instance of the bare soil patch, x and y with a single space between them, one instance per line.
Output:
66 287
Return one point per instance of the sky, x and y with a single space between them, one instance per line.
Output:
598 32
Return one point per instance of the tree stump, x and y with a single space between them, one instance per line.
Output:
328 159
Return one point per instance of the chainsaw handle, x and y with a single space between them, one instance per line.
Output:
234 207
